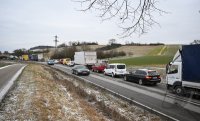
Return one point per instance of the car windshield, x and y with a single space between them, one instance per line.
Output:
81 67
50 60
121 66
152 73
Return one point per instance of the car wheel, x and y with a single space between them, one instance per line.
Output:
92 70
178 90
113 75
125 78
140 82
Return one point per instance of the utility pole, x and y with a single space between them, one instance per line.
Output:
56 40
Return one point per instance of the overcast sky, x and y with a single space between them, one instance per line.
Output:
29 23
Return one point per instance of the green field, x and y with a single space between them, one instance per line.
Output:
145 60
161 55
168 50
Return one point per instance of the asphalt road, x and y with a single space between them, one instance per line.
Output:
7 74
154 97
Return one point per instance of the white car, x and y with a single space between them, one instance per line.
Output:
115 69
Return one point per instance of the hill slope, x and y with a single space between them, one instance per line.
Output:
159 55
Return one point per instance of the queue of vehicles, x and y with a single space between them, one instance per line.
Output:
83 61
182 74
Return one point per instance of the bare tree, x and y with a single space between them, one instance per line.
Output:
112 41
135 16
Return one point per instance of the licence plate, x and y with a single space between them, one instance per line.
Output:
154 77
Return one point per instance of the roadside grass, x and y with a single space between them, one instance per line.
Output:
144 60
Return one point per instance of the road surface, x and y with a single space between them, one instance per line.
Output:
152 97
8 74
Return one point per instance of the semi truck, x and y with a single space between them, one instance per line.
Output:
183 72
85 58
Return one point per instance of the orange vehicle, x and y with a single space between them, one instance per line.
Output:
66 61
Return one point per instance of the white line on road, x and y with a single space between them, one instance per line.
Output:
138 103
147 107
6 66
10 83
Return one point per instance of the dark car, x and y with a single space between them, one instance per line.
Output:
98 67
80 70
143 76
50 62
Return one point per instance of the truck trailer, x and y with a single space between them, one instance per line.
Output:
183 73
85 58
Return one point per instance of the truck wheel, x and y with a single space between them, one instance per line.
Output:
140 82
178 90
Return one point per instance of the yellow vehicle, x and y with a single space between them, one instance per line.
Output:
66 60
25 57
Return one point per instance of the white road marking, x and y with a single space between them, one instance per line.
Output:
6 66
4 91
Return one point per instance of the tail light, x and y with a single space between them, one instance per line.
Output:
148 77
159 77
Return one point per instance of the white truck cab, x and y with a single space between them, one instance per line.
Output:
174 73
183 72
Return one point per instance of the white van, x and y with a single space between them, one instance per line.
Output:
115 69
